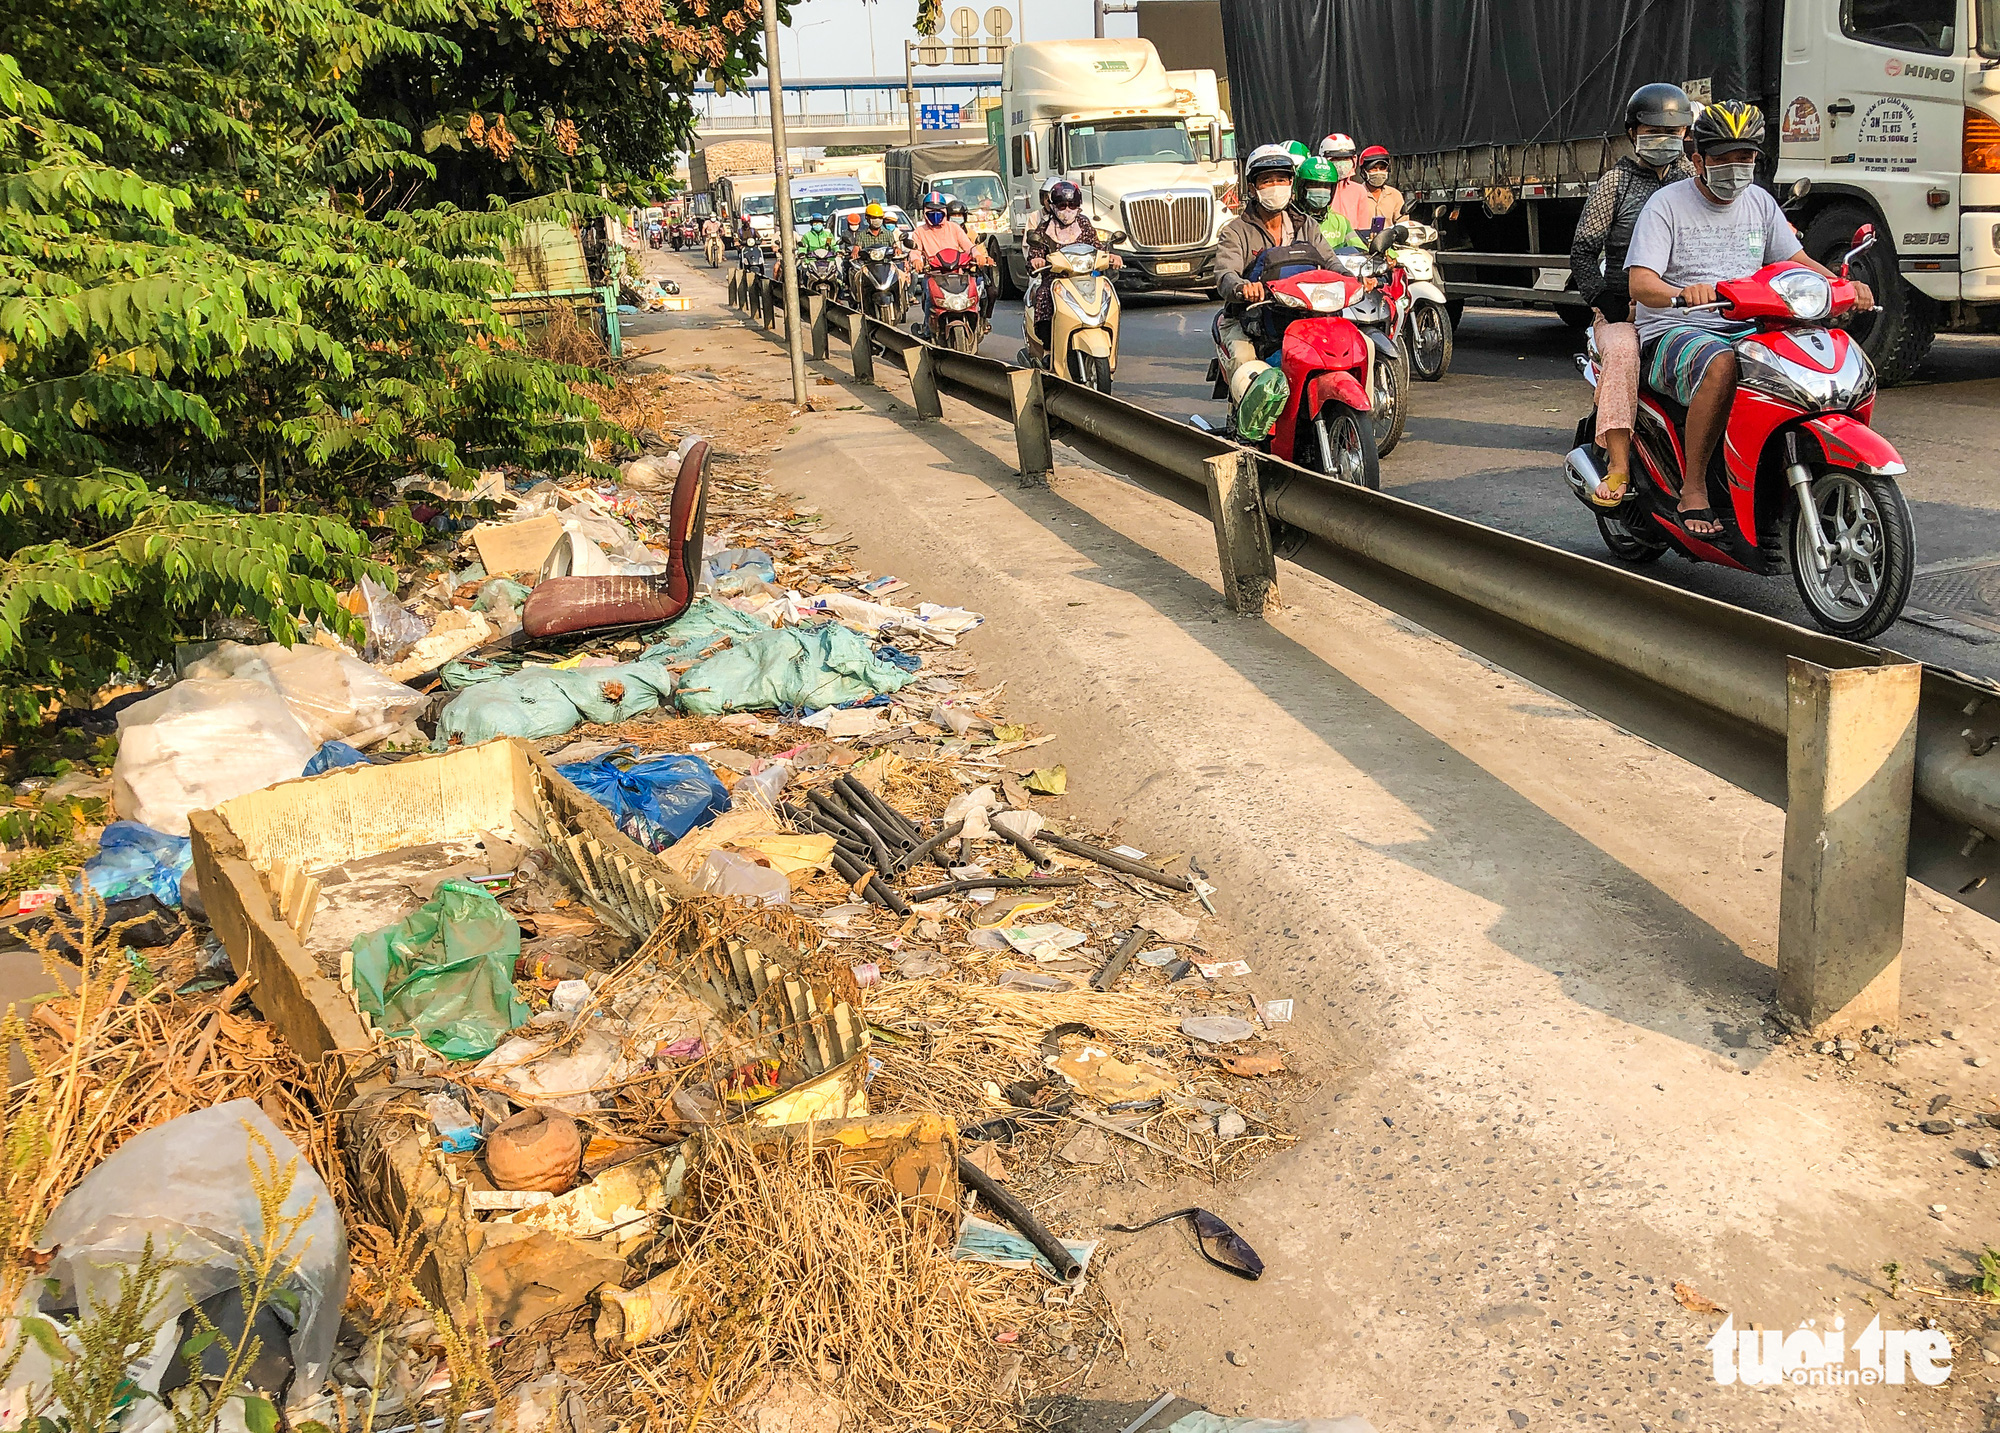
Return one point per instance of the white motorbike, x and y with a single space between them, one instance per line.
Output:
1425 328
1083 322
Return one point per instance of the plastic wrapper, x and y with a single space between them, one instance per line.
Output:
565 1080
135 860
199 743
392 628
548 701
655 802
186 1186
731 873
794 669
444 973
334 696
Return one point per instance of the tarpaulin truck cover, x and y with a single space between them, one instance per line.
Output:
1421 76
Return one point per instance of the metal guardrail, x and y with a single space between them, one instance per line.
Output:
1714 655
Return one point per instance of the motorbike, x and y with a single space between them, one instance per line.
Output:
877 280
656 236
956 319
1800 480
711 249
1083 325
1331 338
1378 313
752 257
1425 322
820 274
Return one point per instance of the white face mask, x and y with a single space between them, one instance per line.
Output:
1726 181
1066 216
1274 196
1344 168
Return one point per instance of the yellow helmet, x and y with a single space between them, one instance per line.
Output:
874 211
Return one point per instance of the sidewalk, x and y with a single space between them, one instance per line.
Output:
1537 951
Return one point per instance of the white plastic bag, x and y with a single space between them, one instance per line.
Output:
726 873
199 743
332 695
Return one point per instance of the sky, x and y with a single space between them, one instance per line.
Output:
831 37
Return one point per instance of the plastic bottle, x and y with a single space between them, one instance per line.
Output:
763 786
457 1129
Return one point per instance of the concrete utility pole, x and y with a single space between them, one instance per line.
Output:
780 162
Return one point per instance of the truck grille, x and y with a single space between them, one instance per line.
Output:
1168 222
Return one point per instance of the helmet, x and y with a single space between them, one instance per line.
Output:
1662 104
1064 195
1336 146
1298 151
934 204
1269 159
955 209
874 211
1729 124
1047 184
1372 153
1316 175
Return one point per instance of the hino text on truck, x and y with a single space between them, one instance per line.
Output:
1501 116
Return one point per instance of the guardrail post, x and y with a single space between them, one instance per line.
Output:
769 310
922 368
1242 533
1031 427
860 347
1851 755
816 308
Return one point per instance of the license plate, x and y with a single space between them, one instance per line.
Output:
1176 266
1552 281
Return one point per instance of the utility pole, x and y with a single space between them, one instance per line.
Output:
1100 8
910 84
794 337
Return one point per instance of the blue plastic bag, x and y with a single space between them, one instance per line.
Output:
656 801
333 756
135 860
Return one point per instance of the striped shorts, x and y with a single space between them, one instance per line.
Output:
1678 357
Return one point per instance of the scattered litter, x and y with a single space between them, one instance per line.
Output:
444 973
1217 1029
1218 969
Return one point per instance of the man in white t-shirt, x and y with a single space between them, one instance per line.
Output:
1691 236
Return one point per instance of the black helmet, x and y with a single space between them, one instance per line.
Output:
1065 195
1729 124
1662 104
955 209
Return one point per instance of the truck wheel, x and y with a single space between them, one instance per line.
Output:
1454 309
1898 334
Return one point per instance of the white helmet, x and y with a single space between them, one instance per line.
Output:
1047 185
1266 158
1336 146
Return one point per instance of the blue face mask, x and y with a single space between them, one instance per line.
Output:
934 216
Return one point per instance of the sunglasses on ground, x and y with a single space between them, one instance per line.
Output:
1231 1253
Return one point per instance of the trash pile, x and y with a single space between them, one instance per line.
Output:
662 959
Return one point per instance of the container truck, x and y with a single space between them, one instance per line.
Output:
1500 118
1200 98
965 170
1104 114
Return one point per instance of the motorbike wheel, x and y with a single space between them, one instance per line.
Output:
1091 371
1430 342
960 338
1392 393
1875 543
1343 447
1625 542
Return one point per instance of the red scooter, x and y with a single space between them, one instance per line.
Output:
957 317
1799 479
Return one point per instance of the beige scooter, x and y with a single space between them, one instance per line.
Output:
1083 326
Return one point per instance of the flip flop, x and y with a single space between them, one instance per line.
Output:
1618 493
1690 516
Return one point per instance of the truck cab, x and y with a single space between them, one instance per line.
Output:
1103 114
1200 100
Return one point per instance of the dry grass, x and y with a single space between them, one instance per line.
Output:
561 337
827 1274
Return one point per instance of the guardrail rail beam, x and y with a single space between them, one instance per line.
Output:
922 368
1851 759
860 347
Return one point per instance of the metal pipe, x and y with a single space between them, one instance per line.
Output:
1108 973
929 847
1113 861
991 883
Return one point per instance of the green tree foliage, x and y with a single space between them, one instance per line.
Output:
214 366
531 95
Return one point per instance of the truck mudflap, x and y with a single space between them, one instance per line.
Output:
1850 443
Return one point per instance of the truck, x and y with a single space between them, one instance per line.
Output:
959 169
1501 118
1103 114
864 168
713 163
1200 98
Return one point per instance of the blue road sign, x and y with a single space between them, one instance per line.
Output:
937 116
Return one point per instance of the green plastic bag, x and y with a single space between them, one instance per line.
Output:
792 669
444 973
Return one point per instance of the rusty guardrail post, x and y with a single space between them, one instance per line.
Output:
1242 533
860 347
767 300
1031 427
816 307
922 369
1851 757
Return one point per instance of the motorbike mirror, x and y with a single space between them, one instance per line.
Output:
1119 236
1389 238
1864 240
1801 187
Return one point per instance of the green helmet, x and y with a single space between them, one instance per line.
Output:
1298 151
1316 181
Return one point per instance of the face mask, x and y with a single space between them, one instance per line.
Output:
1658 150
1344 168
1317 199
1067 216
1274 196
1377 178
1726 181
934 218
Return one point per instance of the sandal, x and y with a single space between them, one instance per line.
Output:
1616 487
1690 516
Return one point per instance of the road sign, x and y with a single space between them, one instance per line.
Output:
965 22
998 22
930 51
939 116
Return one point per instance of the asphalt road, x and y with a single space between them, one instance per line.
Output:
1486 443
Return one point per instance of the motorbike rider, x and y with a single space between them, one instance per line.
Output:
874 232
814 241
1692 235
1316 184
1269 240
1657 119
956 212
938 234
1065 223
1384 200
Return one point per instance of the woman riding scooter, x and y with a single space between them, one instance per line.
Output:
1657 119
1063 224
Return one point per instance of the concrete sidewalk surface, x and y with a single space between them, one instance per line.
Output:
1536 952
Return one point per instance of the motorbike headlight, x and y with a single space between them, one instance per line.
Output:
1776 376
957 302
1084 299
1325 298
1351 261
1807 294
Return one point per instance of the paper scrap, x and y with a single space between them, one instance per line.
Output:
1216 969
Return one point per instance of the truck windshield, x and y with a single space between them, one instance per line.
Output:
974 190
1989 29
1138 141
758 204
876 194
818 206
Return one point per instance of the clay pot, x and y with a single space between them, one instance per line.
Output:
536 1149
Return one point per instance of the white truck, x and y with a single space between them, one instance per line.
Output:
1199 94
1104 114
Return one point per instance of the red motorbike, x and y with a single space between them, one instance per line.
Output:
1799 480
957 317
